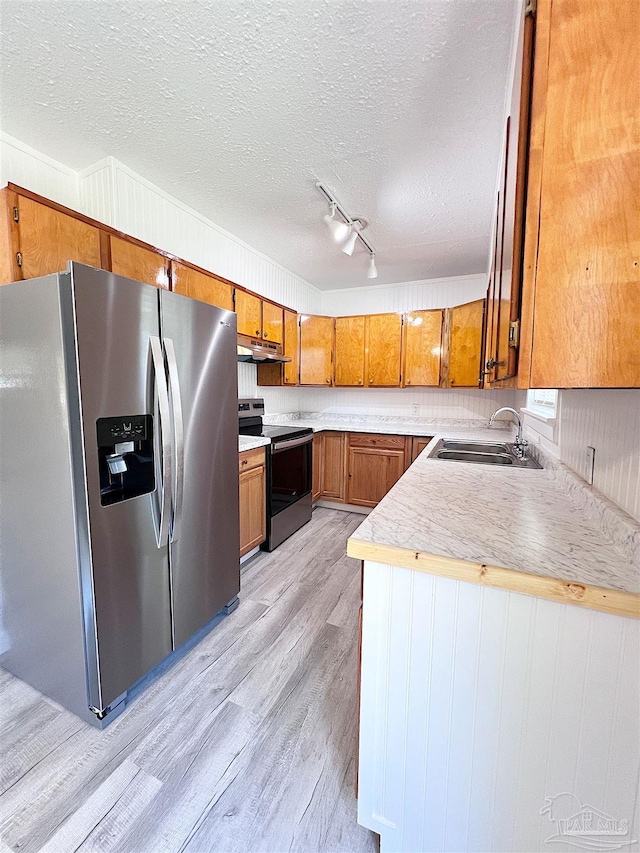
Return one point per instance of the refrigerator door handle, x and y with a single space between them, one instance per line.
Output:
178 434
162 393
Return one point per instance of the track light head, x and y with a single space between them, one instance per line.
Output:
356 227
372 272
339 230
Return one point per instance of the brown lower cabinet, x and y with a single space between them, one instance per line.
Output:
318 462
375 463
360 468
253 508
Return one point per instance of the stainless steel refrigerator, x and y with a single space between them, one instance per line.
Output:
119 480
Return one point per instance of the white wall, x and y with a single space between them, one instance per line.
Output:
607 419
33 170
404 296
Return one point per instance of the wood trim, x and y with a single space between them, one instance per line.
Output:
542 586
10 271
538 115
108 229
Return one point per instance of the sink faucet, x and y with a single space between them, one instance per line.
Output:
519 445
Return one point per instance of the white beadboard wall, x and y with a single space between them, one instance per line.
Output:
404 296
111 191
607 419
482 707
28 168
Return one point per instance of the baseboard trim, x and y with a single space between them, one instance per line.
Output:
363 510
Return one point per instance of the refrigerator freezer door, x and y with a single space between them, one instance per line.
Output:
115 319
205 572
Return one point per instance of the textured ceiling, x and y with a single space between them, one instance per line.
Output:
238 107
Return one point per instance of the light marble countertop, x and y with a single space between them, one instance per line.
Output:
383 424
250 442
523 520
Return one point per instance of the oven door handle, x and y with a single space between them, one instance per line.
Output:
280 446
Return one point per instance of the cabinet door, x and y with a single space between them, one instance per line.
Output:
422 345
384 339
586 324
316 350
349 364
249 311
465 344
334 466
253 519
418 445
318 464
372 472
139 263
272 323
291 370
49 238
517 146
198 285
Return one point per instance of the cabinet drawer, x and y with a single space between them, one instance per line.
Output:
385 442
251 459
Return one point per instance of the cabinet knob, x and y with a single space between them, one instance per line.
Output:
257 331
408 382
371 382
328 381
359 381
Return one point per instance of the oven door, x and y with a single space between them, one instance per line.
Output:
291 472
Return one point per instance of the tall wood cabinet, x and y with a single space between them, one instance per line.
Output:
422 348
383 350
316 349
581 289
464 332
350 351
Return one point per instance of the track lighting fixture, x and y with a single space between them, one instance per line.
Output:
347 229
339 230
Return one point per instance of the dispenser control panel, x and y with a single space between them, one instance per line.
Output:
124 428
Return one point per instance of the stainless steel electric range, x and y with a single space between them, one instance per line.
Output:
289 471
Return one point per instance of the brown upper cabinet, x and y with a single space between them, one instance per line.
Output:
464 333
506 272
383 350
272 323
581 286
316 349
249 310
199 285
350 351
291 369
422 348
40 239
139 263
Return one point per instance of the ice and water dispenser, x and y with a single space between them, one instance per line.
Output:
125 457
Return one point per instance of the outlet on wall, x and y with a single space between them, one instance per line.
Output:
590 464
415 409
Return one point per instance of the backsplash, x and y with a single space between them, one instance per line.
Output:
430 402
609 420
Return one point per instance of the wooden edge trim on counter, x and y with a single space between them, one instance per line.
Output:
108 229
554 589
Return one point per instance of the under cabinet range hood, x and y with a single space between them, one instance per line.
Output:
254 351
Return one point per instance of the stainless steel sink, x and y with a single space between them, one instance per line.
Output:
482 453
475 446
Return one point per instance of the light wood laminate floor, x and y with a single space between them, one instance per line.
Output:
246 742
